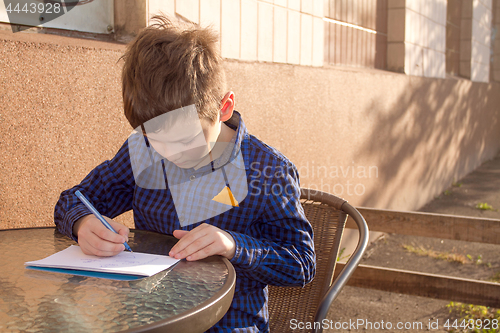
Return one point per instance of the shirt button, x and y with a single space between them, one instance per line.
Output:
193 177
181 218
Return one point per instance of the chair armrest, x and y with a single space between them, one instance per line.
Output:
349 268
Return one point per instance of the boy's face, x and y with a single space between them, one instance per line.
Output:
187 142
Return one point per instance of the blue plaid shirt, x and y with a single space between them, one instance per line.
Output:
273 237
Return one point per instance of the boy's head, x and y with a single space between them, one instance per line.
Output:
169 66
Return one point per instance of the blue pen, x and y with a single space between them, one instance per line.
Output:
98 215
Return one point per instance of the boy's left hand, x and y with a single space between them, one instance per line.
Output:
203 241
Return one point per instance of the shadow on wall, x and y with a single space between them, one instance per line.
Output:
428 151
376 138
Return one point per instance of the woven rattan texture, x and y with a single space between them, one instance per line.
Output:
287 303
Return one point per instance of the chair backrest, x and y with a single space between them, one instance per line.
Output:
327 215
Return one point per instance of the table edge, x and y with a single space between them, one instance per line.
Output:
184 322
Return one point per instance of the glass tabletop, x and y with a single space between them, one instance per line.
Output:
37 301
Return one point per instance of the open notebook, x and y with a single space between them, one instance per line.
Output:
123 266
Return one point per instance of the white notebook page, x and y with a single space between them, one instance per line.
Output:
133 263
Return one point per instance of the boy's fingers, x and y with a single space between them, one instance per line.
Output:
214 248
124 233
105 234
186 239
108 235
200 244
180 233
95 239
119 228
93 244
122 230
203 253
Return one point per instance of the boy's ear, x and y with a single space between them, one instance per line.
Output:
227 106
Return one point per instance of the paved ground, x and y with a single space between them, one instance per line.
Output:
461 198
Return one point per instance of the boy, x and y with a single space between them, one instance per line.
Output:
191 169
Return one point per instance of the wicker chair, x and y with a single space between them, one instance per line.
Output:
327 214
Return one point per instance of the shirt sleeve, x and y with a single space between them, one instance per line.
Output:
109 187
281 251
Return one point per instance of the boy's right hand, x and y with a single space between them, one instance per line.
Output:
95 239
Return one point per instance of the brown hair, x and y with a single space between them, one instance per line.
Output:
169 66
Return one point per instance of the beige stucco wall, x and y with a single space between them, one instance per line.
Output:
406 137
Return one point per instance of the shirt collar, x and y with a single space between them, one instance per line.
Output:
233 149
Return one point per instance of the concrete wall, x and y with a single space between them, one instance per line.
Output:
60 116
257 30
356 33
405 137
495 43
417 37
481 40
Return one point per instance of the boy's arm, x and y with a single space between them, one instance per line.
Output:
281 251
277 249
109 187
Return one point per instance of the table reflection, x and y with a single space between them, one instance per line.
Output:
41 301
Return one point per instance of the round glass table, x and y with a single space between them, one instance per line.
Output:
189 297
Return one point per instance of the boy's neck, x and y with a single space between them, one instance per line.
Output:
225 136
